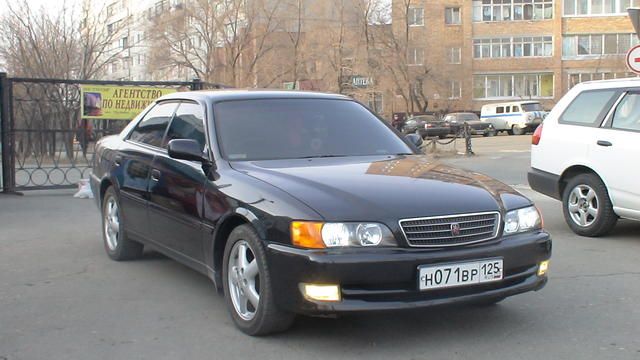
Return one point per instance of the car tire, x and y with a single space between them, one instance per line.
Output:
587 207
114 236
490 132
239 281
518 131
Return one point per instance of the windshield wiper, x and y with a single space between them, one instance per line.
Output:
321 156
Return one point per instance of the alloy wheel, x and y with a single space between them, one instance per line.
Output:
112 223
243 276
583 205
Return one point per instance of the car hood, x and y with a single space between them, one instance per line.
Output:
383 188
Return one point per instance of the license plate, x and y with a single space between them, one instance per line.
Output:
459 274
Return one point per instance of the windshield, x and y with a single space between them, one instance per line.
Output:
532 107
272 129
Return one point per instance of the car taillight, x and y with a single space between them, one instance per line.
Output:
537 135
429 125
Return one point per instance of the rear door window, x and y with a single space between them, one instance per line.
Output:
589 108
187 124
151 129
627 115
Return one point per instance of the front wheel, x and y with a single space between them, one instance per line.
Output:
116 243
490 132
248 286
586 206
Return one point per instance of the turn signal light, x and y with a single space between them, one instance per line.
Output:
307 234
537 135
321 292
543 268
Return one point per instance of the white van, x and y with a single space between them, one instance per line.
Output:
516 118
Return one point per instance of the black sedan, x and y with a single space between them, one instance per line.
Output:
280 200
456 122
426 126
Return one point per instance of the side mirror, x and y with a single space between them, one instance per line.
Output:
186 149
415 139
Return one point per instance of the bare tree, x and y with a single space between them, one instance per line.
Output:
217 40
408 75
37 43
62 44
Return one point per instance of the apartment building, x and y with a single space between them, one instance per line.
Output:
483 51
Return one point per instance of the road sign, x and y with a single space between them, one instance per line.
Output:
633 59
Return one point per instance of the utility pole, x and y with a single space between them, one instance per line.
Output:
634 14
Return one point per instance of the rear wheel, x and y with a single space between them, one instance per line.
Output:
586 206
518 131
248 286
116 243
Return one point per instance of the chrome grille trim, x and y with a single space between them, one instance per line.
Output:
482 227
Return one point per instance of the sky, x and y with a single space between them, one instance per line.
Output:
51 5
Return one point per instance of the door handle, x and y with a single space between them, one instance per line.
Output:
155 175
604 143
117 161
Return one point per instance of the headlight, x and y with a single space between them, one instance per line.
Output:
314 235
522 220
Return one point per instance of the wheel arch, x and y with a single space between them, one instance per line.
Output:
104 185
226 225
572 172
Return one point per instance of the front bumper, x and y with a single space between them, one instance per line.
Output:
386 278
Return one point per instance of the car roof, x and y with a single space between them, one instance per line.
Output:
461 113
249 94
609 84
521 102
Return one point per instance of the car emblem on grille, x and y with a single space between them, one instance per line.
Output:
455 229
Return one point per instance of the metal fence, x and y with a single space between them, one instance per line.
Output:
46 144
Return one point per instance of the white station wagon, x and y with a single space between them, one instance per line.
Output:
587 154
516 118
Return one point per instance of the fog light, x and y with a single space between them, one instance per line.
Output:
321 292
542 269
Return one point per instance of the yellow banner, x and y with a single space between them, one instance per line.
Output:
117 102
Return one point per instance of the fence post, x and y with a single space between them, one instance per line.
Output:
6 139
196 84
467 140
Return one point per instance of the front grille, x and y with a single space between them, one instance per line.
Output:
451 230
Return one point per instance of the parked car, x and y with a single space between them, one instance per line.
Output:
516 118
426 126
586 155
456 124
282 202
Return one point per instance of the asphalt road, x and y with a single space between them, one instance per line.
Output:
62 298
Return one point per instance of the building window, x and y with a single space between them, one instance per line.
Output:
574 79
376 102
597 7
594 45
455 90
528 46
452 16
512 10
454 55
518 86
114 67
415 56
124 42
415 16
